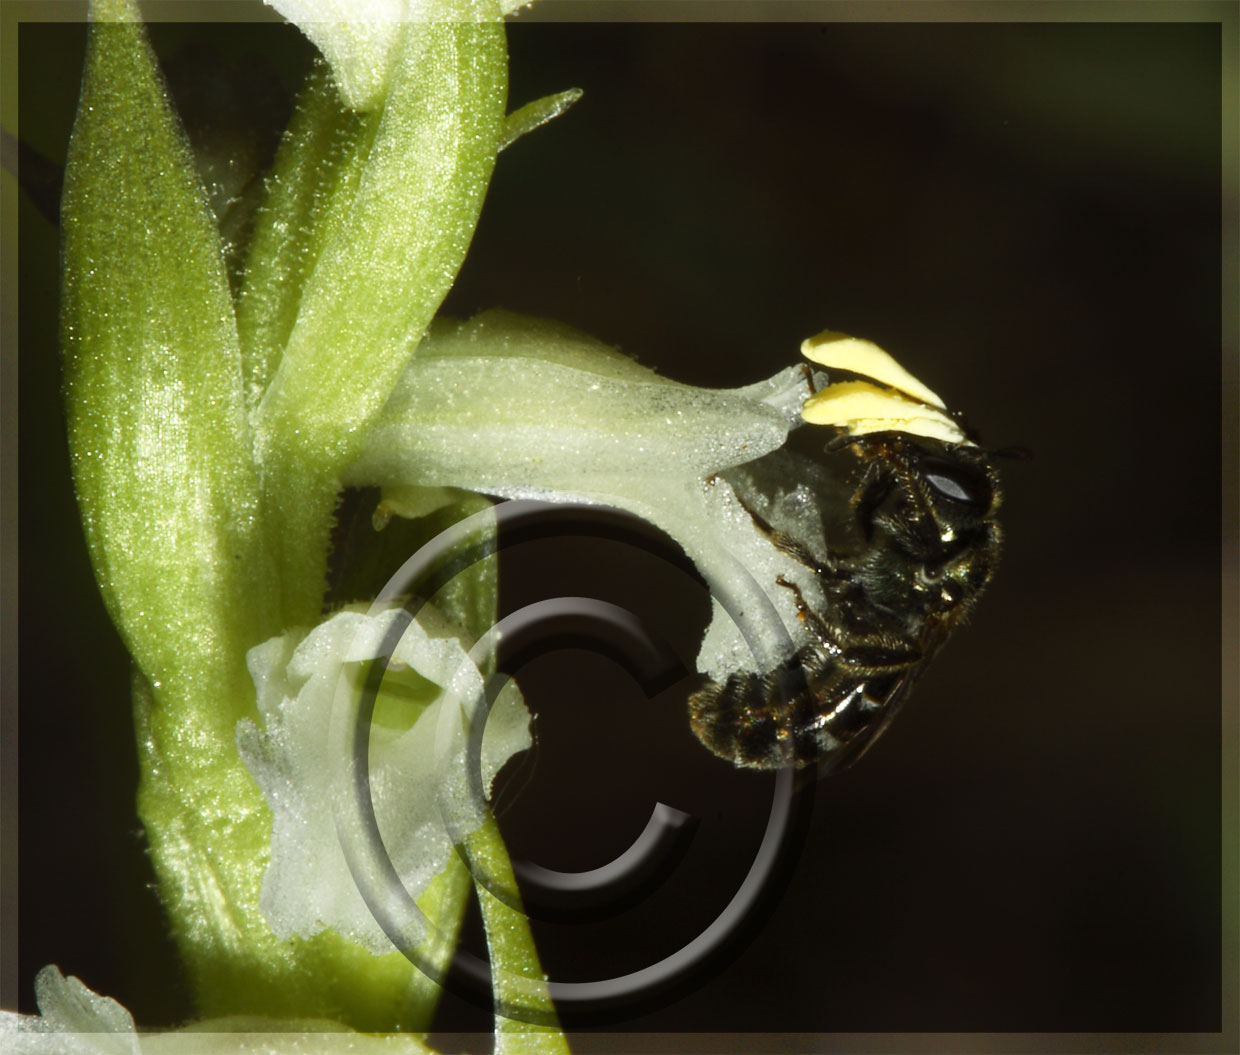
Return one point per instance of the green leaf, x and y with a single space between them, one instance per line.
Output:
309 191
157 430
379 280
392 221
534 115
168 491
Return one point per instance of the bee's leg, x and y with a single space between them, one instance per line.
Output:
785 543
893 657
888 655
822 633
808 371
740 720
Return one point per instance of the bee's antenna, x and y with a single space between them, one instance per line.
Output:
970 432
838 443
1015 454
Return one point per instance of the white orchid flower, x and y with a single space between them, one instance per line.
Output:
417 769
525 408
75 1020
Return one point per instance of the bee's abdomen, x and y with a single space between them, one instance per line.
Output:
813 710
762 721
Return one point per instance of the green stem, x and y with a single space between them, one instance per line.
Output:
517 979
208 446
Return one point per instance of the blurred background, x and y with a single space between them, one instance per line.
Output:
1028 216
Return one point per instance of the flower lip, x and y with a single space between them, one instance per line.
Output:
308 885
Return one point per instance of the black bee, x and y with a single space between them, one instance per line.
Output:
927 545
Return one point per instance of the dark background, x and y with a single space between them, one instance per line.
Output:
1028 216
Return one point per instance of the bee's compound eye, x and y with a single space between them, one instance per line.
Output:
960 483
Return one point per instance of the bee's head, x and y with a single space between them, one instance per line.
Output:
927 510
926 502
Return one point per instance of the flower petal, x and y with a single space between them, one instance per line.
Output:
74 1021
502 400
417 773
